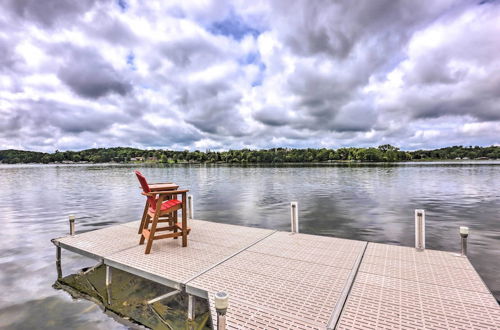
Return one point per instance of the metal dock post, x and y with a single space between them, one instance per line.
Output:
190 207
294 217
72 225
221 304
420 230
464 233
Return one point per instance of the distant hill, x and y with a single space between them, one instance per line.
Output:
383 153
21 156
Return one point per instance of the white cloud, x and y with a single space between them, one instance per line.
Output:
220 75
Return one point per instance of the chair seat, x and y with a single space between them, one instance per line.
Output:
167 205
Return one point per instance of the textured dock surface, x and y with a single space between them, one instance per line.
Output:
168 263
284 281
279 280
399 287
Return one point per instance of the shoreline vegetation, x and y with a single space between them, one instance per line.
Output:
383 153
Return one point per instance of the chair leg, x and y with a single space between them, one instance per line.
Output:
173 218
184 225
145 226
152 233
174 222
144 215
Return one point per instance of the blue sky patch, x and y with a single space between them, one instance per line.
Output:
254 58
122 4
251 58
234 27
260 76
131 61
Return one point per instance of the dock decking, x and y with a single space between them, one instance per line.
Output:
280 280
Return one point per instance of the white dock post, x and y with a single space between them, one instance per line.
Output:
191 306
221 304
420 230
464 233
294 217
190 207
72 225
108 283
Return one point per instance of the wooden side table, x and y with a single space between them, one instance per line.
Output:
162 186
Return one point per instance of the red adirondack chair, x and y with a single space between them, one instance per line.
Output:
162 204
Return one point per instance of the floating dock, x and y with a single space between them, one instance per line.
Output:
282 280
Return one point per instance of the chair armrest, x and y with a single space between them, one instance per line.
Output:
167 192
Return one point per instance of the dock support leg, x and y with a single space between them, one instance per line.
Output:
58 262
221 304
294 217
191 315
464 233
420 230
164 296
108 283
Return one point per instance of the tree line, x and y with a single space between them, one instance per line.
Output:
383 153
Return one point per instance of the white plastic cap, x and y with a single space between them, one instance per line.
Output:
72 217
221 300
464 230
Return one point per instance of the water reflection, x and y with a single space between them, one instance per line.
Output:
357 201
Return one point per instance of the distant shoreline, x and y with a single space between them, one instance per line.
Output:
427 161
125 155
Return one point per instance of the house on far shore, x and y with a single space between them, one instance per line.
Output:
137 159
482 158
153 159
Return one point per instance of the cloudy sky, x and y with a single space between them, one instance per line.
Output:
257 74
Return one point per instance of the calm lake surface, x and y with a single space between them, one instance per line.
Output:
366 202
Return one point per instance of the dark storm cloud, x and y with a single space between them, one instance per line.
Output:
191 51
336 28
147 134
65 118
9 60
357 116
89 75
93 81
321 95
111 29
208 98
434 70
49 12
479 99
212 108
272 116
355 38
10 124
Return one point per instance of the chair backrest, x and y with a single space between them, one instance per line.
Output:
145 188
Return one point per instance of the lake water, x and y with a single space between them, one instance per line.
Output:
366 202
